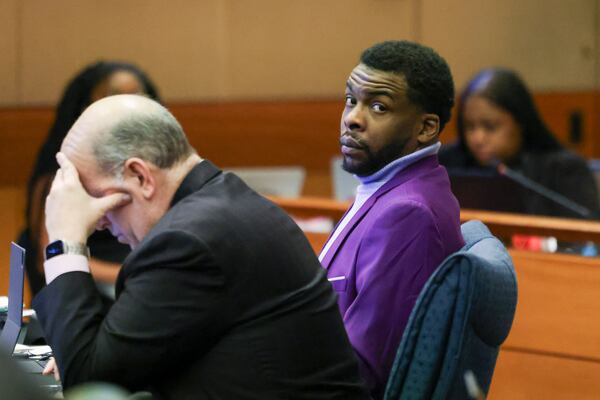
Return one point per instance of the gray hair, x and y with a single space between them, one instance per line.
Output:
152 135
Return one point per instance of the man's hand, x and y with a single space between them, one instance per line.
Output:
71 213
51 369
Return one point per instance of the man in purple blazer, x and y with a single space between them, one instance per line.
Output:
405 220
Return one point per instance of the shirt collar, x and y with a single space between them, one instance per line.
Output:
195 179
391 169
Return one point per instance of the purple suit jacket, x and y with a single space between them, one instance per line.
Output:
383 257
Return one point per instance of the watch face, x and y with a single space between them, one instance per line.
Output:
55 248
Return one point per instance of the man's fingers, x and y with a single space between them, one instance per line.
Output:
112 201
49 368
62 159
52 369
57 179
69 172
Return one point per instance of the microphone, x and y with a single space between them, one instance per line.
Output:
542 190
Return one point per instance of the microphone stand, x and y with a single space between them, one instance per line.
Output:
543 191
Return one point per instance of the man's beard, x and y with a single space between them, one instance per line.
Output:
375 161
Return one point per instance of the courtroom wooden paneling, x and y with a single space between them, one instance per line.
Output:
552 43
309 207
264 133
9 49
177 42
504 225
557 109
282 49
269 133
22 132
229 134
12 214
559 304
257 49
524 376
205 50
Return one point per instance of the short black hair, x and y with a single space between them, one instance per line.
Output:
427 74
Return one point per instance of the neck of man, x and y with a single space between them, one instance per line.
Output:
169 180
172 178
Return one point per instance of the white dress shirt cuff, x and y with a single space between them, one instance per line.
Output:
64 263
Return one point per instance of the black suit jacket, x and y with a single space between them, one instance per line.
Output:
223 299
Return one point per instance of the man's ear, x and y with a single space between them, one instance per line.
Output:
140 174
430 129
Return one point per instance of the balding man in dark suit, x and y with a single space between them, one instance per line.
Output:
221 297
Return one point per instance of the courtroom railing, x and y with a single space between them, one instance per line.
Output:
503 225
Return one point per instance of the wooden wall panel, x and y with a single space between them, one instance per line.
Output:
558 108
270 49
22 132
551 42
231 135
206 50
566 288
176 42
524 376
280 49
269 133
12 213
9 18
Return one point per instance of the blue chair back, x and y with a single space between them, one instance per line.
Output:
462 316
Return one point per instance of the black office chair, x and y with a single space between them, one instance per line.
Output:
462 316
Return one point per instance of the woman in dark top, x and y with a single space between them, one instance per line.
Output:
498 122
101 79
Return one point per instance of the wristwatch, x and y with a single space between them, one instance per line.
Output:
59 247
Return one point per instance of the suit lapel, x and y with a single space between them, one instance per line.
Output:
347 229
401 177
